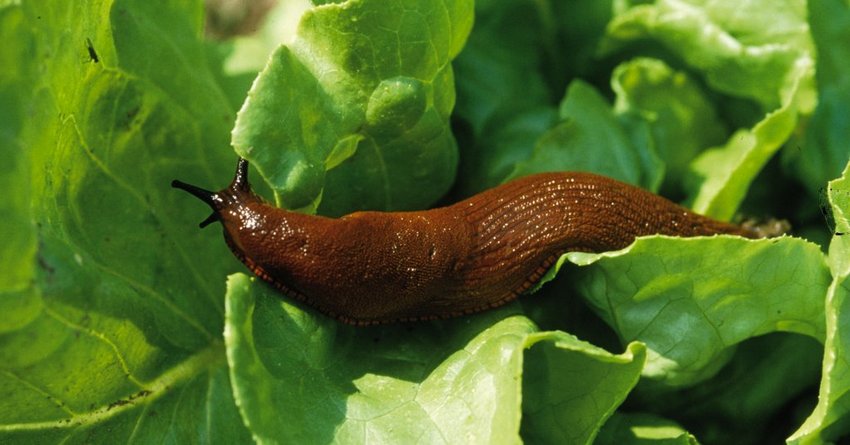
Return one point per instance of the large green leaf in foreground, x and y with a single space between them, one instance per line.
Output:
354 113
302 378
111 323
19 298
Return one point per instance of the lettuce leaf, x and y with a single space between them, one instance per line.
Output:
644 429
745 49
684 315
824 145
671 108
457 380
772 65
589 137
354 112
829 420
111 323
20 300
511 76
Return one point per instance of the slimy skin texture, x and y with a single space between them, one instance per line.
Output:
480 253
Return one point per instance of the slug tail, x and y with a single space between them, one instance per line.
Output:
765 228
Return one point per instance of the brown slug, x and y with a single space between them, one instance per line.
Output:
480 253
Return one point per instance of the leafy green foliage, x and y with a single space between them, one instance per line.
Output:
828 420
366 384
589 137
111 328
826 140
356 109
644 429
120 324
683 314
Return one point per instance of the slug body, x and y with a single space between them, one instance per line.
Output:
480 253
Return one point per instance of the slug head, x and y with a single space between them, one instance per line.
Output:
238 191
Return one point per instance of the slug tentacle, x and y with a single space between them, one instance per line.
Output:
202 194
240 179
210 198
219 200
480 253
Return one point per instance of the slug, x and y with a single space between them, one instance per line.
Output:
480 253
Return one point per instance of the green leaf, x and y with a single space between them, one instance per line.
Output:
681 121
689 304
497 72
745 49
643 429
495 155
829 420
433 382
346 384
249 54
824 150
571 387
768 378
725 173
367 72
114 336
589 138
772 64
190 402
20 301
510 76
